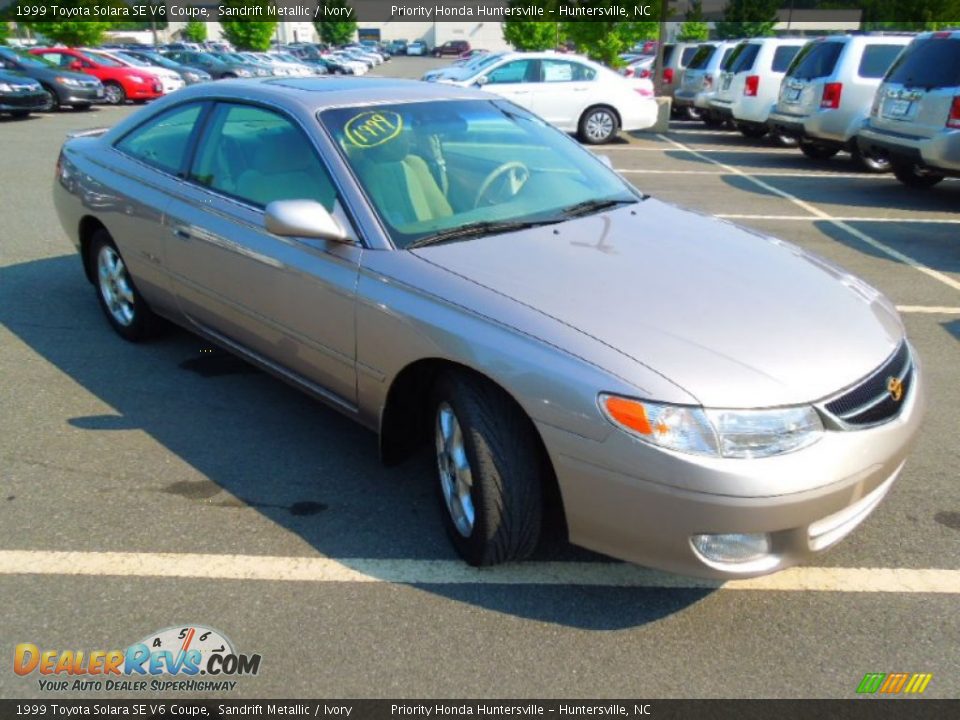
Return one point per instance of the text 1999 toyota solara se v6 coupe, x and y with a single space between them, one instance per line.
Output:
448 269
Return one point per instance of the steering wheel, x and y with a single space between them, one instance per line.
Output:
511 176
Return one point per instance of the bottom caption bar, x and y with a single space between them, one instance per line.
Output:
854 709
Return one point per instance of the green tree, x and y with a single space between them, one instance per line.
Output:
336 32
910 14
695 28
604 40
526 35
71 33
195 31
4 31
249 34
748 18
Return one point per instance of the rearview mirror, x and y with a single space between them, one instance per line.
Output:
303 218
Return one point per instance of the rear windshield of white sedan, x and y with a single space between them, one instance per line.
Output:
430 167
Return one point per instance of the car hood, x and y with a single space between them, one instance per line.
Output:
452 74
735 318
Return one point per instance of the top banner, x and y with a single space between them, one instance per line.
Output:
398 11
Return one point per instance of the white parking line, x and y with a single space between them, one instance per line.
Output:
770 173
821 215
810 218
742 150
442 572
928 309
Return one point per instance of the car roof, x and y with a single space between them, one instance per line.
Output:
312 94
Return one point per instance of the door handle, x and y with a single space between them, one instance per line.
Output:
180 233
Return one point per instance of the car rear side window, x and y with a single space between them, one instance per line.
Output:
877 59
931 63
815 60
259 156
667 53
687 55
744 59
783 56
701 57
162 141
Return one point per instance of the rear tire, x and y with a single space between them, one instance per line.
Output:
489 470
114 93
597 125
817 152
121 302
868 162
912 175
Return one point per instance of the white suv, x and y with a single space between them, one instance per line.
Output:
827 93
700 80
915 118
751 83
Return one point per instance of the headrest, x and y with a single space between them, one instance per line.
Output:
282 152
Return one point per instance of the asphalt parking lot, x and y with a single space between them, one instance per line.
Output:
302 548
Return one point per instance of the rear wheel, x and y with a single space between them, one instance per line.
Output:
126 310
689 112
870 161
489 468
912 175
597 125
817 152
752 131
114 93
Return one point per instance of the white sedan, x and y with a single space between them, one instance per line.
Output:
570 92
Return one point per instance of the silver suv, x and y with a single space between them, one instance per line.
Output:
827 91
751 84
915 118
701 78
676 56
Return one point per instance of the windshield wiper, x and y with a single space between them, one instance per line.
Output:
588 207
484 227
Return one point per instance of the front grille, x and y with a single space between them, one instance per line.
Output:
872 402
31 100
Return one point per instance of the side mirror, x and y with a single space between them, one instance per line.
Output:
76 66
303 218
481 81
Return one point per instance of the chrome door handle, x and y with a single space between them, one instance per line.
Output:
181 233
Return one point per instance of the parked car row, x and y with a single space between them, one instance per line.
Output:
571 92
892 101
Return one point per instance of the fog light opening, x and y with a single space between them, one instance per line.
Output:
736 552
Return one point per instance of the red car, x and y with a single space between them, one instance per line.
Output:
120 82
452 47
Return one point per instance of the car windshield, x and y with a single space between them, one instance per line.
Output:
816 59
25 59
479 62
132 60
102 59
159 60
433 169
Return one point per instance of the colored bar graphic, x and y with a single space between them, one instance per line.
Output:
894 683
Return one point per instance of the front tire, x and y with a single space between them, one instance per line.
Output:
121 302
597 126
489 470
912 175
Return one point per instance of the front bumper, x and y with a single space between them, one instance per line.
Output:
940 152
641 504
81 96
23 102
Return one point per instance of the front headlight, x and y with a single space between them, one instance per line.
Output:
713 432
243 73
69 82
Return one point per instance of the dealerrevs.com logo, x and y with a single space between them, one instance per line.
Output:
190 658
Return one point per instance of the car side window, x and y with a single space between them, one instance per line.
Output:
162 141
518 71
258 156
783 56
566 71
877 59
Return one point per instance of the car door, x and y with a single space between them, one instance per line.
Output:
515 80
565 90
285 301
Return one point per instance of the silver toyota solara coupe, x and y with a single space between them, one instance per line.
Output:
447 269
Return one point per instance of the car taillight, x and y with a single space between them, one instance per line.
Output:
628 72
645 73
707 82
953 119
668 76
831 95
751 86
